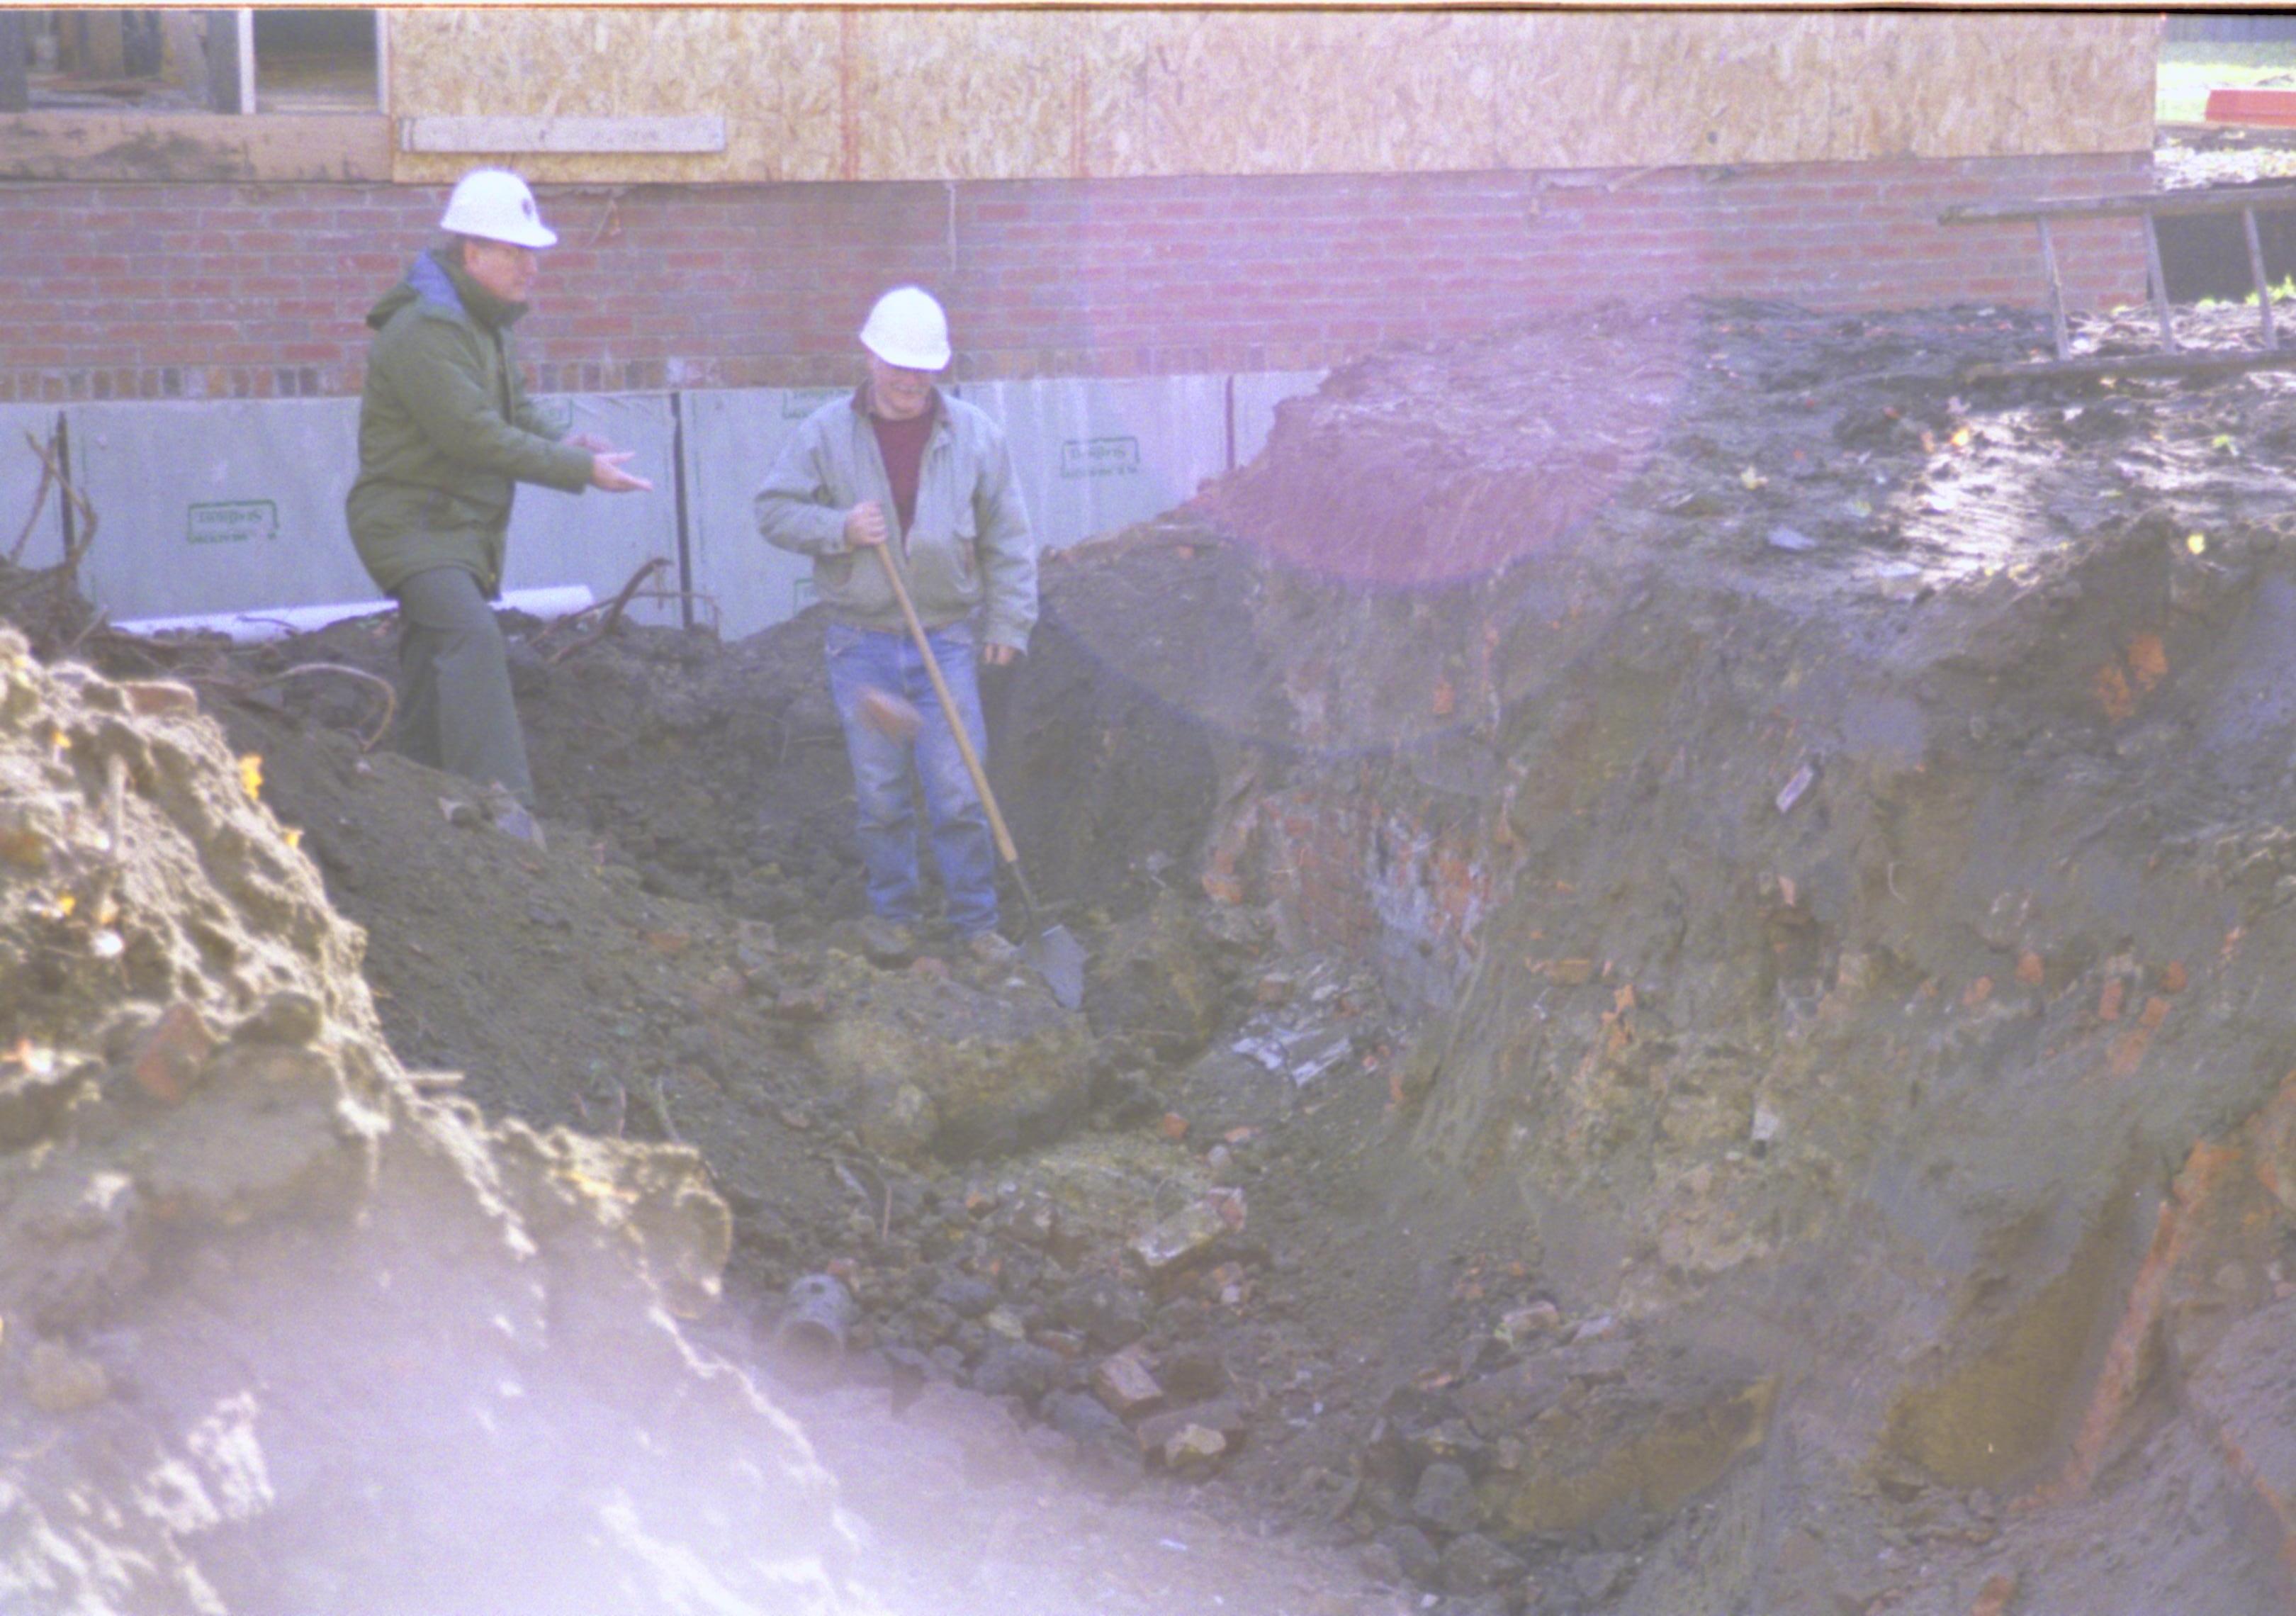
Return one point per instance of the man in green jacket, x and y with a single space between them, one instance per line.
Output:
445 434
902 470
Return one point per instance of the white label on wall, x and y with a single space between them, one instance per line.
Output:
232 521
1100 458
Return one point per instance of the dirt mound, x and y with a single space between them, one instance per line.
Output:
1434 464
281 1332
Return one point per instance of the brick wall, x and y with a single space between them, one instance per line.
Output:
191 291
1365 872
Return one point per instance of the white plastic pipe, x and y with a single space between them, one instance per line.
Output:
245 627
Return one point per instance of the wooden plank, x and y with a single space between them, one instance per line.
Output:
14 91
99 44
2184 364
2057 289
693 132
2272 109
381 60
2256 272
2158 204
145 147
220 32
2160 279
243 25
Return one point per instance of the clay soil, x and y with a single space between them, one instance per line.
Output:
1687 915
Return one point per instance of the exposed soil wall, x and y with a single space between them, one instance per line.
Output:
1845 840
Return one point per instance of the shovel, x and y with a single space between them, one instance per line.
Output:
1054 953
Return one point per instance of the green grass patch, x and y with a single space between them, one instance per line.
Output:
2284 292
2190 68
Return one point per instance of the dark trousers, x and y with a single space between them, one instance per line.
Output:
455 711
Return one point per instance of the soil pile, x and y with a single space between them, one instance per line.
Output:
282 1331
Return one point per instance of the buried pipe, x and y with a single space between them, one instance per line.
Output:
808 1339
246 627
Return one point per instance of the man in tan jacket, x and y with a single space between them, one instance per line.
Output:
902 466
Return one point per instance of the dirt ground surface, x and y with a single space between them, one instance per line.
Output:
1688 916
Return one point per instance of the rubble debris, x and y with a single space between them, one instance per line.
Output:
1797 785
1123 1383
1185 1234
1192 1446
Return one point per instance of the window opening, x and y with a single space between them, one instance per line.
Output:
315 62
248 60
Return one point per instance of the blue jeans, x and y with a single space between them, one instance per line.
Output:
860 659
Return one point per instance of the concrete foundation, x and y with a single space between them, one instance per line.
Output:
1096 453
222 506
600 539
730 439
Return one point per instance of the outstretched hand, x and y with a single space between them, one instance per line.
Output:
606 473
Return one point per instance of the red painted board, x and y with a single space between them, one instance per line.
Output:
2277 107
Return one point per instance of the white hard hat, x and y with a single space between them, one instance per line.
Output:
494 205
908 328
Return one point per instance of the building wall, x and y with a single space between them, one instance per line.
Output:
206 290
1106 192
978 94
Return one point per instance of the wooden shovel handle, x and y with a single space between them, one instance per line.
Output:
949 708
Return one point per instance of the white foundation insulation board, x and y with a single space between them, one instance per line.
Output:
19 484
1094 454
1256 396
598 538
237 506
221 505
732 437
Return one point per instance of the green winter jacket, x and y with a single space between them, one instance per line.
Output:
446 431
968 549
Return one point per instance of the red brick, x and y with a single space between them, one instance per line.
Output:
752 285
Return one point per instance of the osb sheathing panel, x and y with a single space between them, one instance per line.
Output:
1368 92
942 95
1995 85
773 76
996 94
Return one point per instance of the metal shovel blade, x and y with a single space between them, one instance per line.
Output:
1059 958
